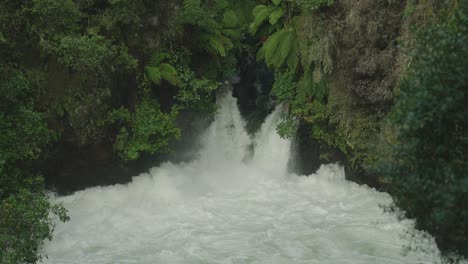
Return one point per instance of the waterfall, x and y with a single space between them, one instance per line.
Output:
236 203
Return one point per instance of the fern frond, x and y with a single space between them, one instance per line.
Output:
159 57
321 90
284 48
154 74
271 46
226 42
213 44
230 19
169 74
193 10
258 9
293 58
222 4
261 14
309 88
195 14
217 46
261 53
233 33
280 48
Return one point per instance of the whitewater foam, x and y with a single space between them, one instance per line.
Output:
230 206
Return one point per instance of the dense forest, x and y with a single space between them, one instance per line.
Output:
380 85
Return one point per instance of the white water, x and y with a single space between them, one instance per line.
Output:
232 207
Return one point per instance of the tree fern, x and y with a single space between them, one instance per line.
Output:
280 49
160 69
169 74
272 57
261 53
276 15
154 74
216 43
263 13
230 19
193 11
217 25
164 71
260 14
293 58
288 40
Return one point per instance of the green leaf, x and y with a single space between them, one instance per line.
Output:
230 19
235 34
276 2
260 13
217 46
271 48
169 74
276 15
309 88
261 53
284 48
258 9
293 59
154 74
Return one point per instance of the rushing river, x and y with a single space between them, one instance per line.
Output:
235 204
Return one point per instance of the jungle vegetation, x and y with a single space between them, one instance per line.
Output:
382 81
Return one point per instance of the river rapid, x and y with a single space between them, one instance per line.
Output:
236 203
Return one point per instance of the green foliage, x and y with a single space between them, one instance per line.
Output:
287 127
25 222
92 54
217 25
84 53
55 17
323 127
284 87
280 49
309 88
148 130
306 102
23 131
26 215
428 169
195 93
316 44
121 13
162 71
263 13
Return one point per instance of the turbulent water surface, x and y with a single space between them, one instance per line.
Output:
235 204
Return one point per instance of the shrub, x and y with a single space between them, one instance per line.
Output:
429 169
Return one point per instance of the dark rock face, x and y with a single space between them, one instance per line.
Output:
252 91
306 152
73 168
306 159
